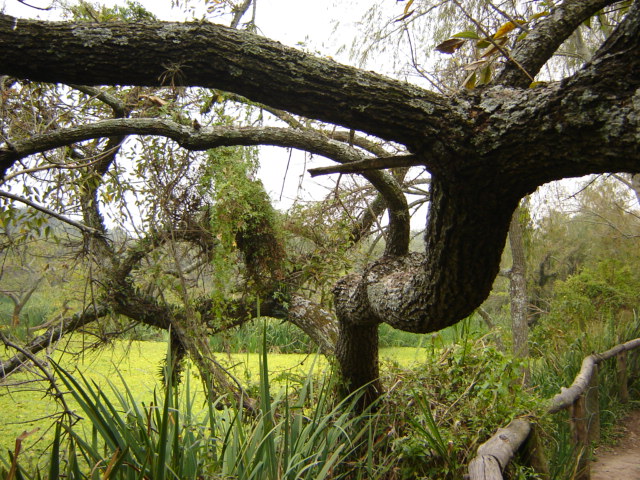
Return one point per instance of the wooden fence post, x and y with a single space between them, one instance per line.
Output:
580 436
593 407
533 451
622 376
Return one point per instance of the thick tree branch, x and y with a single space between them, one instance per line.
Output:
543 41
424 293
589 123
208 55
186 137
90 206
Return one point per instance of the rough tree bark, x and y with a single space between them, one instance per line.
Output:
485 149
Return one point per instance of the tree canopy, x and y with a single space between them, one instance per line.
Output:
485 148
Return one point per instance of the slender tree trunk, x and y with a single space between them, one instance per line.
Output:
518 291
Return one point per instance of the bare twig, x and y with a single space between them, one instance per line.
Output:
58 395
49 166
62 218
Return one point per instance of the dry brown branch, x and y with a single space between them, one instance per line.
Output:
368 164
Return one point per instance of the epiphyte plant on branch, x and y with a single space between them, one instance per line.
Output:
484 148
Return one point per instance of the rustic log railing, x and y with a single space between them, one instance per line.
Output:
580 399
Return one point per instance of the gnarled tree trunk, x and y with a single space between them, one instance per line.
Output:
485 149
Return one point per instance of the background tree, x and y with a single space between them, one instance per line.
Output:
518 291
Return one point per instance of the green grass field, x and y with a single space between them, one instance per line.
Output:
24 407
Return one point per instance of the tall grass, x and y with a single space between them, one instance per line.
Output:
304 436
283 336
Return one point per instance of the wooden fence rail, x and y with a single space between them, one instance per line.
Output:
581 399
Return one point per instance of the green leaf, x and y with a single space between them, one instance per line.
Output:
485 75
469 34
54 465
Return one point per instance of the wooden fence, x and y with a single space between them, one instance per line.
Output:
580 399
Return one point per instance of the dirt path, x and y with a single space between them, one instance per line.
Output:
622 460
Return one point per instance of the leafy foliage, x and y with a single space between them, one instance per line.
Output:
597 294
242 216
442 410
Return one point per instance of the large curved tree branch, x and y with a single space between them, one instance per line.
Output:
589 123
208 55
563 130
186 137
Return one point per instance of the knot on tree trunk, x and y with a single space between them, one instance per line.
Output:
358 297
